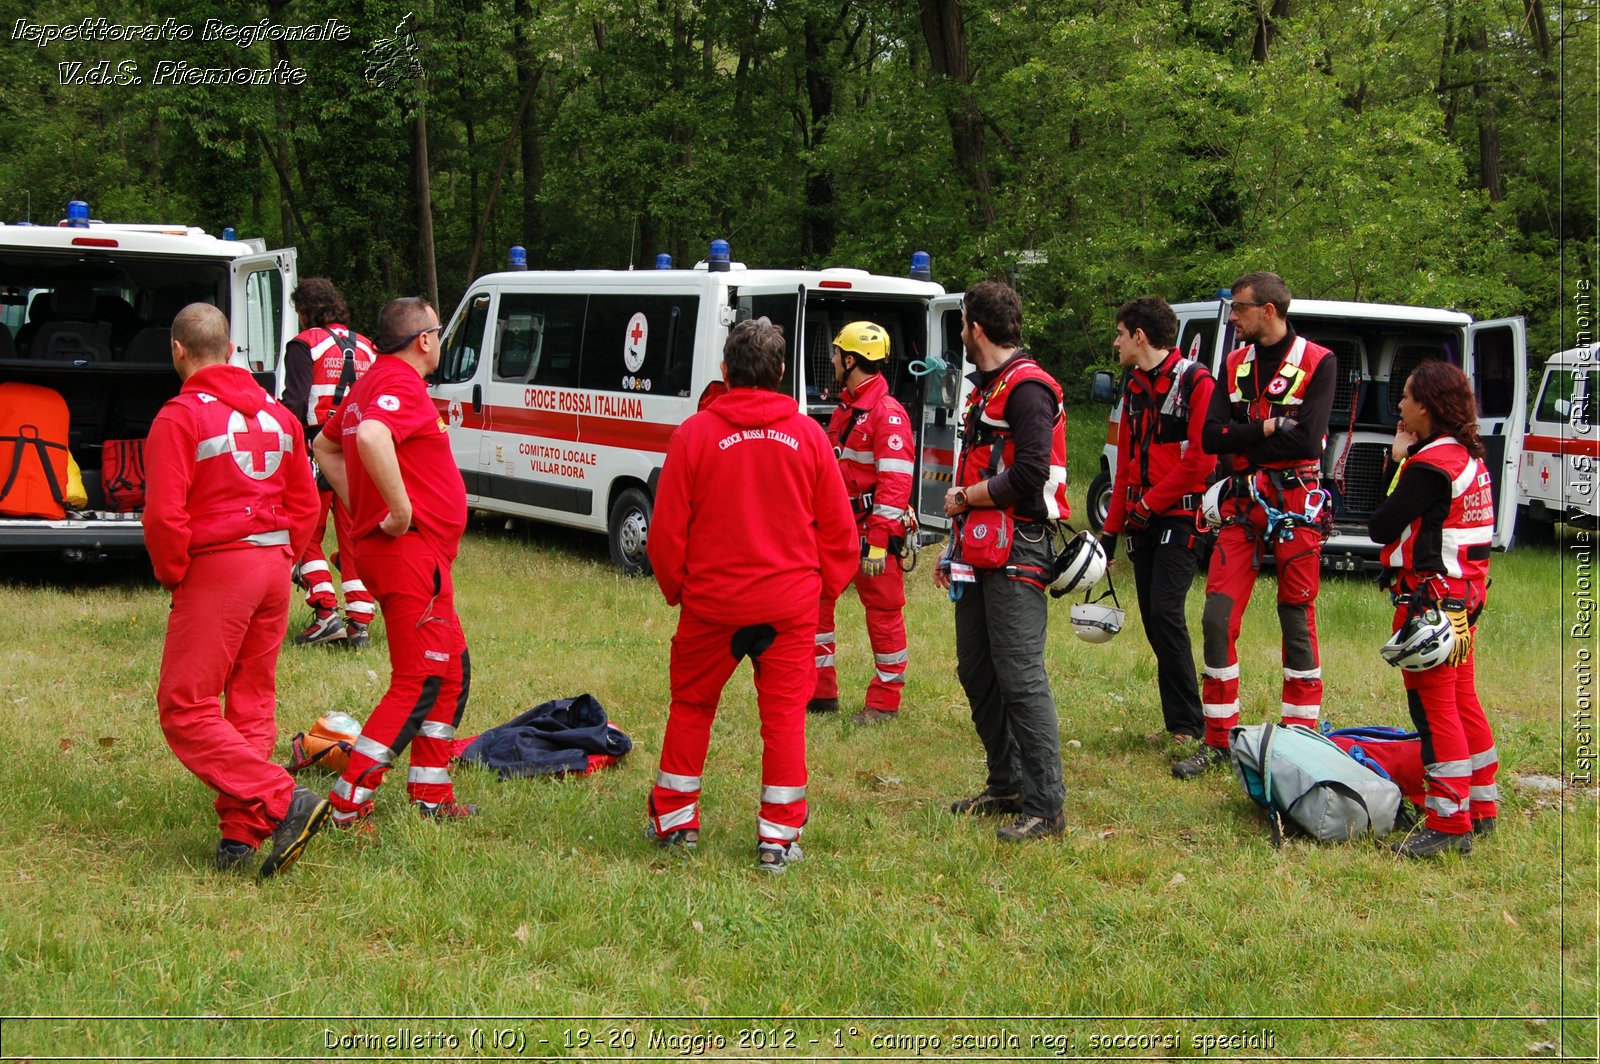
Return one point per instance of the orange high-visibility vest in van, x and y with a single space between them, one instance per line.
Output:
33 451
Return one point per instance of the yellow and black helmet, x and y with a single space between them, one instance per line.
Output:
864 339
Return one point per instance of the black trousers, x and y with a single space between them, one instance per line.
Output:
1164 561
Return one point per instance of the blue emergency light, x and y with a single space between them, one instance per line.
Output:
719 260
1224 294
227 232
77 214
663 261
921 266
519 257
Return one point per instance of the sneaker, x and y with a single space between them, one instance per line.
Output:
445 810
356 635
323 629
1484 825
987 804
1429 842
873 716
683 838
1032 827
776 857
1200 762
823 705
308 811
231 854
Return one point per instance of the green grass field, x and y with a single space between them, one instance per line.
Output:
1162 917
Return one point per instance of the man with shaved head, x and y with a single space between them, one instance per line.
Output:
230 503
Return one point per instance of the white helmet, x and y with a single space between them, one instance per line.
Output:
1423 641
1080 565
1094 622
1211 503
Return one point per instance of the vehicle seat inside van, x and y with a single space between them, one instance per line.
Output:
72 334
7 348
153 343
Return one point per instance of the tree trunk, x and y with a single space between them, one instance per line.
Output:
817 232
430 267
494 186
1267 29
944 29
529 72
1489 175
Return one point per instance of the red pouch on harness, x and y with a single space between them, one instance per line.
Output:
122 474
986 538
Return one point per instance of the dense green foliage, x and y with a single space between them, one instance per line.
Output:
1429 151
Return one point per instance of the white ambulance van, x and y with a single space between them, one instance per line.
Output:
561 389
1559 473
1377 346
85 309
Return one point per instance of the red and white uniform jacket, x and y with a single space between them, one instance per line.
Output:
226 469
989 448
1284 394
872 437
1160 460
1456 552
751 524
327 366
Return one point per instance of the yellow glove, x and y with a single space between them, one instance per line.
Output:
1463 630
875 562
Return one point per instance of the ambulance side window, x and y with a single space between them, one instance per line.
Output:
1205 331
1565 398
551 335
641 344
460 359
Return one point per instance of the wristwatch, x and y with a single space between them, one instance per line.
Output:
961 498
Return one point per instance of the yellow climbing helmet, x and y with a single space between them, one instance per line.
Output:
864 339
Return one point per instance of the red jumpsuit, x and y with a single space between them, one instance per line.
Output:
1439 525
1296 383
751 528
313 369
872 438
430 672
229 503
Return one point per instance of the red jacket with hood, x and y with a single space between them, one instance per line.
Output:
226 469
751 522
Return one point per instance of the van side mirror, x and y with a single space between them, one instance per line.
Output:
1102 389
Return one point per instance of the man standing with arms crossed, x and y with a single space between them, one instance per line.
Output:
387 454
1162 471
229 505
1269 422
871 436
1010 489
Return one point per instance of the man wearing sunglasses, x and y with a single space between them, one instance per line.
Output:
1268 423
387 453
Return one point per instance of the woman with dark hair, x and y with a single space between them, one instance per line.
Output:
1437 524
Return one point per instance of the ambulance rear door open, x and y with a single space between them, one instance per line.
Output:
784 303
261 316
1496 360
943 390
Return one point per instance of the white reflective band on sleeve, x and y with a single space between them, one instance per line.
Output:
891 512
864 457
1302 674
1490 793
1220 709
1449 769
824 661
279 538
1223 672
897 658
357 795
1443 806
682 784
210 448
783 795
374 749
437 729
1489 757
766 829
896 465
676 819
427 775
1302 712
360 610
825 637
890 677
307 568
321 586
352 585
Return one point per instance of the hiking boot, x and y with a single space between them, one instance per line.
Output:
776 857
683 838
987 804
1032 827
1429 842
1484 825
873 716
1200 762
231 854
356 635
445 810
324 628
823 705
308 811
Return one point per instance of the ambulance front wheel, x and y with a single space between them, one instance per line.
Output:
1099 500
629 530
